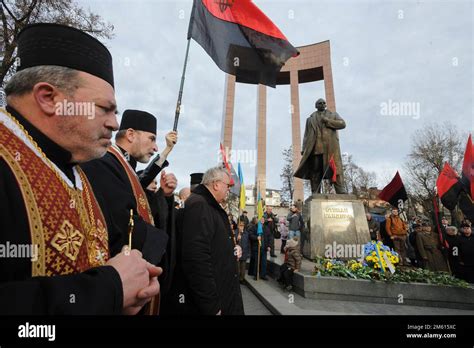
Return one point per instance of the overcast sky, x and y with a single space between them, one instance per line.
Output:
418 52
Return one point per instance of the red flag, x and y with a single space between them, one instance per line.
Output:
332 165
226 164
468 168
448 186
240 39
394 191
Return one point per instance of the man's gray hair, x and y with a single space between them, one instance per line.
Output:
214 174
120 134
65 79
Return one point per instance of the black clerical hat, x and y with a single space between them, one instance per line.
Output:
138 120
196 178
55 44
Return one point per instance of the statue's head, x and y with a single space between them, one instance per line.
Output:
321 104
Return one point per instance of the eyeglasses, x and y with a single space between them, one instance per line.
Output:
228 185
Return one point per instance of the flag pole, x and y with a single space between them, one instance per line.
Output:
324 174
259 242
442 241
180 94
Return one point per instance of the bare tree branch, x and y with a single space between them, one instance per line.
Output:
432 146
18 14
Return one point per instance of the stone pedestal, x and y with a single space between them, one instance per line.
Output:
336 227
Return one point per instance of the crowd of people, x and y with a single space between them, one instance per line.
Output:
257 247
420 243
112 240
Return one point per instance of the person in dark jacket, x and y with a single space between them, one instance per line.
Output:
161 200
242 239
264 248
175 303
452 238
292 264
245 219
374 228
270 227
209 256
417 260
466 252
296 222
429 246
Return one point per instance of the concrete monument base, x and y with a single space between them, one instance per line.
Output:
336 227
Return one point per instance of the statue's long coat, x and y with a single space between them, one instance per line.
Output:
316 132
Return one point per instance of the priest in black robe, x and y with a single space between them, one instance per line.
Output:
114 182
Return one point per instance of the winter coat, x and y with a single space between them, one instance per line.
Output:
374 227
270 226
466 254
244 243
266 238
429 247
283 231
208 260
296 221
395 226
454 253
294 255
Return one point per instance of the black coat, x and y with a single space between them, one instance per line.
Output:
270 226
453 254
253 237
245 219
163 211
114 193
208 260
466 254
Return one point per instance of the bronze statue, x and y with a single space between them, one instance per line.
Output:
319 143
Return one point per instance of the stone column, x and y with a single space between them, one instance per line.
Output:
228 113
298 193
261 135
328 84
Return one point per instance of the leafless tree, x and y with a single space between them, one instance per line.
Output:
356 179
16 14
432 146
287 177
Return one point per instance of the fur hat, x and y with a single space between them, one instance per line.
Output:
292 243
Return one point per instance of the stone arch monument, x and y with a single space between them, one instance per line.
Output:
313 64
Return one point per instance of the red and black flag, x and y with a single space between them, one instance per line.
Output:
467 178
448 186
333 169
466 197
226 164
240 39
394 191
